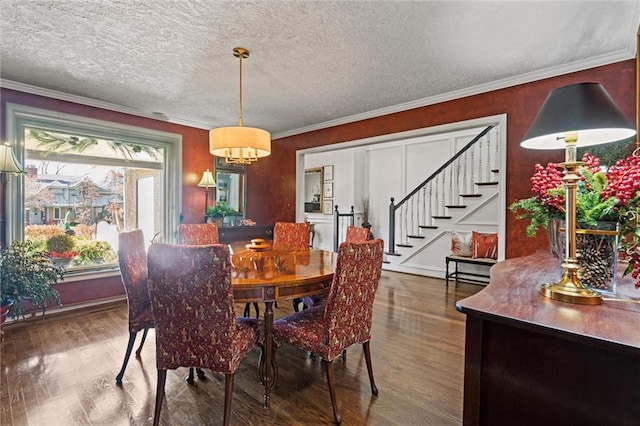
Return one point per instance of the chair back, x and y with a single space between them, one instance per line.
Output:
198 234
291 236
132 259
356 234
192 302
349 306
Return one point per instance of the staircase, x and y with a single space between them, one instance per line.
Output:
462 195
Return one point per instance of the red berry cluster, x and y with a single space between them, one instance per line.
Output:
623 180
545 179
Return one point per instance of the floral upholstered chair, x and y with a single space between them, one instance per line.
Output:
345 319
291 236
132 258
198 234
196 326
356 234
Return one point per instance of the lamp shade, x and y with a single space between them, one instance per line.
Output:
585 108
239 144
207 180
8 162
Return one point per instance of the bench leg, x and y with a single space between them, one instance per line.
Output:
446 273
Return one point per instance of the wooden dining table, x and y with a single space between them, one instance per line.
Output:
266 275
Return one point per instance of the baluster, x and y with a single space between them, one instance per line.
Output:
450 167
480 167
424 206
489 177
497 156
406 227
472 178
430 204
437 197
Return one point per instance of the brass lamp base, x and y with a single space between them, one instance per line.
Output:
569 289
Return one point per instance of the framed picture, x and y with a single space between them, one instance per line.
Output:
328 190
327 173
327 207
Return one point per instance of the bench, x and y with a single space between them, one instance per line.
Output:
473 277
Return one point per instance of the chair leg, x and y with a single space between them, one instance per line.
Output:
190 379
228 394
367 357
257 308
162 378
328 368
132 339
247 310
200 373
144 337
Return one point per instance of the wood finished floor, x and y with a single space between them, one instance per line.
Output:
61 370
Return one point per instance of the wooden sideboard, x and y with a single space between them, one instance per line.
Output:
233 234
530 360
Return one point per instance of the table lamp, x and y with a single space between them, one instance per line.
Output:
580 114
8 164
206 182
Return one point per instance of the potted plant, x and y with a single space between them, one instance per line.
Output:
92 252
220 211
27 273
61 249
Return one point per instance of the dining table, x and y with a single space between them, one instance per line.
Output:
261 274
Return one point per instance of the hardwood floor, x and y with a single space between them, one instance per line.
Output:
61 370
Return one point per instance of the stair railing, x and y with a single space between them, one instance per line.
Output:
454 179
339 227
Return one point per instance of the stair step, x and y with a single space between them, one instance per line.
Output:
392 254
486 183
427 227
404 245
471 195
416 236
441 217
495 171
456 206
385 261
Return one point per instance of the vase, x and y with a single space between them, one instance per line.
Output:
596 252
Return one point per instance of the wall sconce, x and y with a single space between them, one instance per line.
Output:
579 114
206 182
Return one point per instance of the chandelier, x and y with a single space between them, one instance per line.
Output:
239 144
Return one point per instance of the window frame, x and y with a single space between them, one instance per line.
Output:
19 117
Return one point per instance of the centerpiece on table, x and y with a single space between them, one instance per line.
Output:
608 199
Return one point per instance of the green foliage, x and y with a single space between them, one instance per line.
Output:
221 209
60 243
91 252
27 273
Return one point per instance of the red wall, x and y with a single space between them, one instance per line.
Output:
271 192
271 181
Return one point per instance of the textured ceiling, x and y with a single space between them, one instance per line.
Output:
311 64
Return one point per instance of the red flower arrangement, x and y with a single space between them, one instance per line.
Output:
611 195
66 254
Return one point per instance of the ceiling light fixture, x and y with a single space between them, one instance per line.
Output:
239 144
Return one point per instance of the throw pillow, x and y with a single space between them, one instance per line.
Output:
484 245
461 244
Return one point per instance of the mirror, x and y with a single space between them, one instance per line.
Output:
231 189
313 190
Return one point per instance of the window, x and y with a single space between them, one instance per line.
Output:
91 179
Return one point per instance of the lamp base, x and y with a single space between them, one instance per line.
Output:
569 289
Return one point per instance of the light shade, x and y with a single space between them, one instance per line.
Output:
8 162
207 180
239 144
585 108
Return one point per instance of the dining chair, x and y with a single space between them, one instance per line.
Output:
206 233
196 325
198 234
132 259
291 236
356 234
345 319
